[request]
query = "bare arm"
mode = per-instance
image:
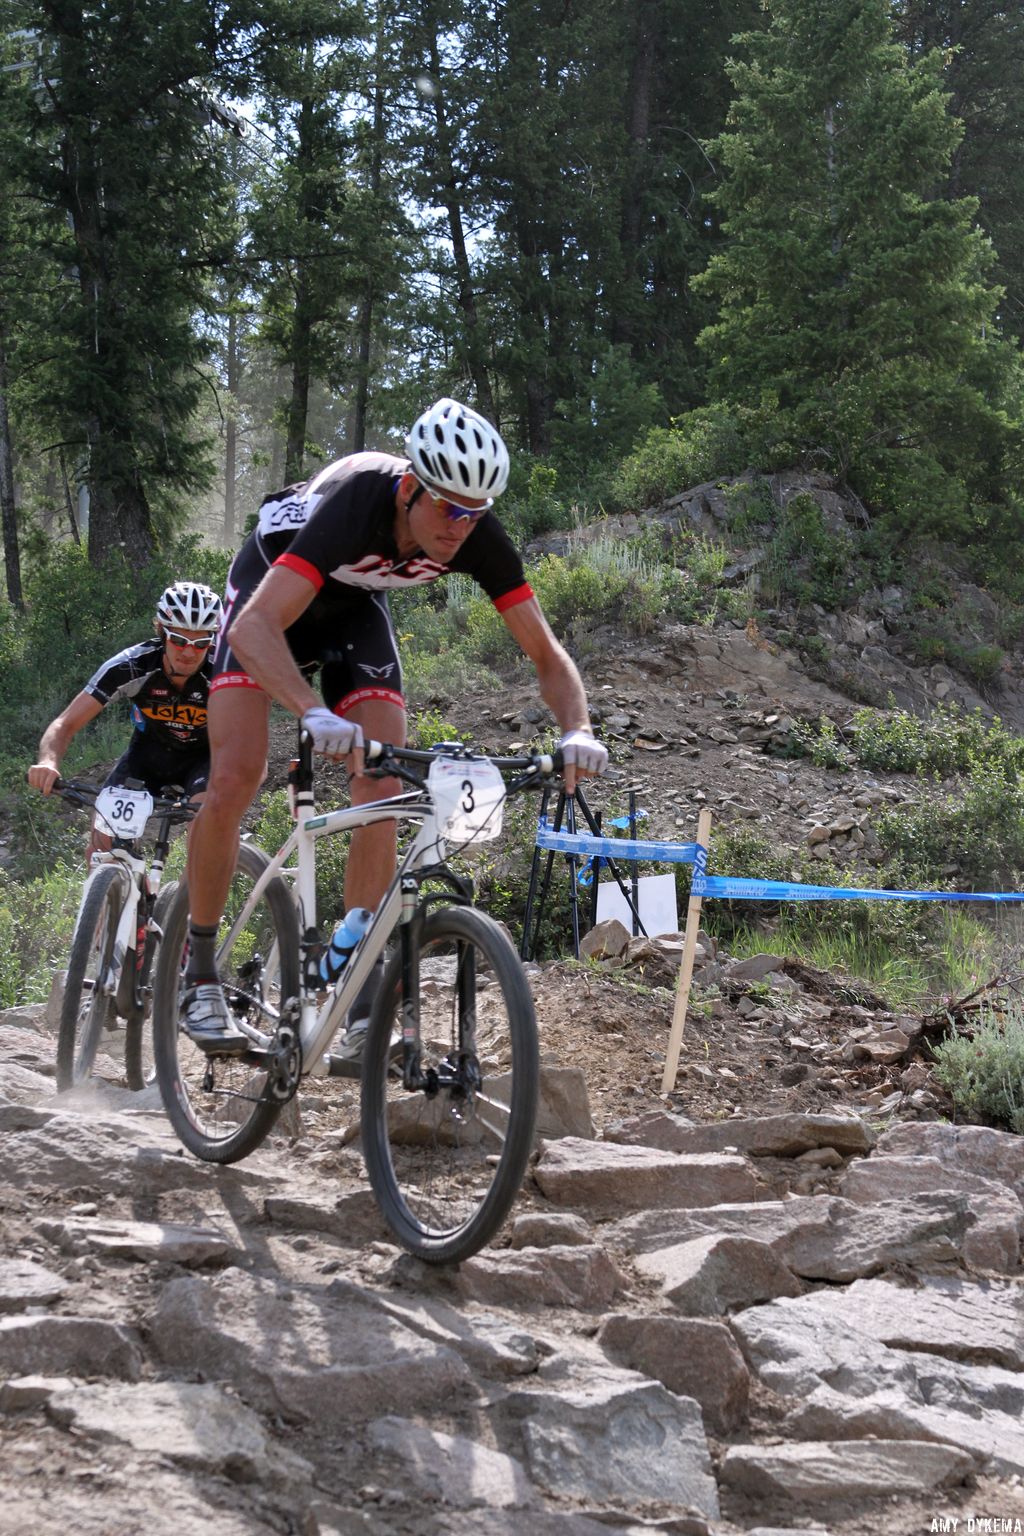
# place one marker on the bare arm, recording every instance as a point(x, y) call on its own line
point(57, 737)
point(561, 686)
point(257, 637)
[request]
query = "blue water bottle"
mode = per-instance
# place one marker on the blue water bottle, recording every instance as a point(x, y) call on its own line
point(343, 941)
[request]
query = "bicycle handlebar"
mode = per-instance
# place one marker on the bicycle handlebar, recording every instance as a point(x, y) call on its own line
point(542, 763)
point(178, 809)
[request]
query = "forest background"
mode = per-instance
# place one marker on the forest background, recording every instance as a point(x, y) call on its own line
point(657, 242)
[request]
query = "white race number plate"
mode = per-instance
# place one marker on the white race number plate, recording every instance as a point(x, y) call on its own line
point(124, 812)
point(469, 796)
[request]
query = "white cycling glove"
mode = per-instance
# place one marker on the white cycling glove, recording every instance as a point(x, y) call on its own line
point(580, 751)
point(332, 735)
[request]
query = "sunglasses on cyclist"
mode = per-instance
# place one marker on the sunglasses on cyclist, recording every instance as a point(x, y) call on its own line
point(200, 643)
point(454, 511)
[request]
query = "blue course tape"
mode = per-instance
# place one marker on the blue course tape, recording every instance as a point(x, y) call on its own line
point(628, 848)
point(596, 849)
point(783, 890)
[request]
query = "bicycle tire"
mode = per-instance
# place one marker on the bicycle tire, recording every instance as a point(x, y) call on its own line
point(216, 1104)
point(446, 1169)
point(139, 1062)
point(85, 1012)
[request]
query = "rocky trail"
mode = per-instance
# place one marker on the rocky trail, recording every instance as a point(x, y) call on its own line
point(782, 1319)
point(785, 1297)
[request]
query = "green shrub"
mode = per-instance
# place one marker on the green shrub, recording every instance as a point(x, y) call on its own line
point(985, 1074)
point(806, 562)
point(946, 742)
point(702, 445)
point(975, 833)
point(822, 743)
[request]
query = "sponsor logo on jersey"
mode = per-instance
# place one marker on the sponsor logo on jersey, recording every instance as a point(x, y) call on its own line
point(177, 715)
point(379, 672)
point(288, 514)
point(379, 571)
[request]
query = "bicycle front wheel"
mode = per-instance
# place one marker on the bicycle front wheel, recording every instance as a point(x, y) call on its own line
point(447, 1160)
point(219, 1106)
point(139, 1064)
point(88, 1004)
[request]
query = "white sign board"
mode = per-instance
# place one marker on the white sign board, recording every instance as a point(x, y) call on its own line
point(656, 903)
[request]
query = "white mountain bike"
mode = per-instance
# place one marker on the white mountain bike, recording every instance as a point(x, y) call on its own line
point(118, 929)
point(450, 1062)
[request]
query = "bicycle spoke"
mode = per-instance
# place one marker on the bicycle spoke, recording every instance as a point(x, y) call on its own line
point(446, 1165)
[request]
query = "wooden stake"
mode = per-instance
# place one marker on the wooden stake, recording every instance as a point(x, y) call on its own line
point(675, 1038)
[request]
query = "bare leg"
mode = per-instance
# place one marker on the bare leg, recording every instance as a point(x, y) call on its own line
point(238, 724)
point(372, 853)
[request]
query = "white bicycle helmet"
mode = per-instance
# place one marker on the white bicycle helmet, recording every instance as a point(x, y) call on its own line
point(189, 605)
point(456, 452)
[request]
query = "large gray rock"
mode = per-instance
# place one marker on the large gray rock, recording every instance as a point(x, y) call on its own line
point(157, 1501)
point(693, 1357)
point(845, 1384)
point(607, 1179)
point(24, 1284)
point(116, 1153)
point(993, 1242)
point(451, 1469)
point(302, 1352)
point(981, 1322)
point(818, 1237)
point(24, 1085)
point(353, 1218)
point(161, 1242)
point(563, 1105)
point(763, 1136)
point(864, 1469)
point(70, 1346)
point(191, 1424)
point(718, 1273)
point(572, 1276)
point(992, 1154)
point(549, 1229)
point(492, 1345)
point(616, 1439)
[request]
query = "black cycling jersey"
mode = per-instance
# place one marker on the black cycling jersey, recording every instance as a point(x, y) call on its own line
point(337, 530)
point(172, 721)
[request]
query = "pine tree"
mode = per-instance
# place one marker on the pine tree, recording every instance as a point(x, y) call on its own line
point(114, 145)
point(855, 312)
point(983, 49)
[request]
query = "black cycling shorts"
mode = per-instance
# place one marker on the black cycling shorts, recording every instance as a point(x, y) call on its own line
point(354, 647)
point(158, 769)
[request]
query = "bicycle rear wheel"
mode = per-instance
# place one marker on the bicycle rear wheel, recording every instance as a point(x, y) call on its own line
point(139, 1062)
point(446, 1162)
point(219, 1106)
point(86, 1008)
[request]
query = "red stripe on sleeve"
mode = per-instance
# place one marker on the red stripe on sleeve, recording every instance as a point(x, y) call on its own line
point(512, 599)
point(301, 568)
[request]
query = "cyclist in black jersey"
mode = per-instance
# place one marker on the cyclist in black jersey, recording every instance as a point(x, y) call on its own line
point(167, 681)
point(307, 592)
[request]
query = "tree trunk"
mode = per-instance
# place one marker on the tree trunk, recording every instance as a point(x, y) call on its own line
point(300, 345)
point(635, 183)
point(119, 516)
point(12, 554)
point(231, 431)
point(298, 405)
point(448, 192)
point(364, 323)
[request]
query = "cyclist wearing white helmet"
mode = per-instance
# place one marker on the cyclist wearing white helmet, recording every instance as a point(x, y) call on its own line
point(307, 592)
point(167, 682)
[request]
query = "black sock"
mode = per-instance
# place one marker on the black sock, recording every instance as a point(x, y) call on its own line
point(366, 996)
point(202, 955)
